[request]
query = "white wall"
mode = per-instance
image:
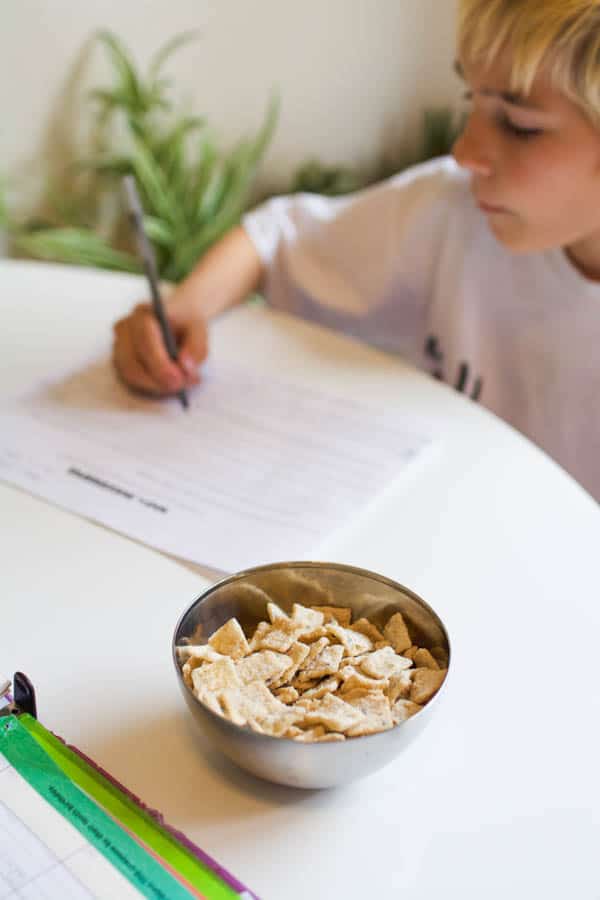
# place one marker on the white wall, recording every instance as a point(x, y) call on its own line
point(353, 74)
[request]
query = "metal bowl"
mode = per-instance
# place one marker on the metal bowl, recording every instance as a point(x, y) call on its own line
point(283, 760)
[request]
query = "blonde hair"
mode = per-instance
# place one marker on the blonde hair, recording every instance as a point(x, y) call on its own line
point(562, 34)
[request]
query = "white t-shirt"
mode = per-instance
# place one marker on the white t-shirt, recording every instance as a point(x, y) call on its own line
point(411, 266)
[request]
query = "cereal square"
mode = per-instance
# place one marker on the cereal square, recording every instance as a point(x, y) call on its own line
point(280, 636)
point(368, 629)
point(309, 618)
point(424, 659)
point(397, 633)
point(216, 676)
point(425, 683)
point(265, 665)
point(354, 679)
point(275, 612)
point(336, 614)
point(376, 711)
point(384, 663)
point(334, 714)
point(326, 662)
point(403, 710)
point(230, 640)
point(296, 656)
point(354, 642)
point(399, 686)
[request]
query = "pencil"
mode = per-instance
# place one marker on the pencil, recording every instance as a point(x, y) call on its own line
point(146, 253)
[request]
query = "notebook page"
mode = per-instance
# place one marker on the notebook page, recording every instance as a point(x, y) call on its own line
point(258, 469)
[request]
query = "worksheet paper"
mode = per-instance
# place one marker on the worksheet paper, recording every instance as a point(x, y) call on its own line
point(257, 470)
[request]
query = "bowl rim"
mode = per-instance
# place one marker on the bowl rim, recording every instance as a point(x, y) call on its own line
point(294, 564)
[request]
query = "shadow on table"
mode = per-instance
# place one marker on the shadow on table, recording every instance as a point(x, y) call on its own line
point(168, 763)
point(94, 387)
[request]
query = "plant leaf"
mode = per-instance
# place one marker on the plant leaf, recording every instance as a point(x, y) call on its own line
point(312, 177)
point(440, 130)
point(189, 198)
point(75, 245)
point(169, 146)
point(116, 165)
point(242, 167)
point(108, 98)
point(151, 180)
point(161, 56)
point(265, 134)
point(200, 176)
point(4, 214)
point(213, 193)
point(159, 232)
point(130, 89)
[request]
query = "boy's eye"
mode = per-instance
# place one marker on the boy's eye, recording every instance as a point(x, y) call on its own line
point(516, 130)
point(505, 123)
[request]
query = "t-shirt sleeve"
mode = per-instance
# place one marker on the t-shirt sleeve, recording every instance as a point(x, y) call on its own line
point(363, 263)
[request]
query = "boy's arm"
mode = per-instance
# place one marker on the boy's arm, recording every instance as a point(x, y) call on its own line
point(333, 260)
point(225, 275)
point(365, 263)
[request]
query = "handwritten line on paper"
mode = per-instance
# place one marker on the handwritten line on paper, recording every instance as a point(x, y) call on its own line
point(260, 469)
point(93, 479)
point(99, 481)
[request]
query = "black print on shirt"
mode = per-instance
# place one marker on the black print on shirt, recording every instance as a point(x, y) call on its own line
point(464, 383)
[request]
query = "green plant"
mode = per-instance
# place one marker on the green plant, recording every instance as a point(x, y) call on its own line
point(316, 178)
point(439, 131)
point(192, 193)
point(3, 205)
point(441, 128)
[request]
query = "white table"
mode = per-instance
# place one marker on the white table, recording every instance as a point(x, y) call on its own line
point(499, 798)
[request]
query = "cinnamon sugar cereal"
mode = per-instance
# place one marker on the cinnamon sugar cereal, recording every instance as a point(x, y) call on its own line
point(313, 676)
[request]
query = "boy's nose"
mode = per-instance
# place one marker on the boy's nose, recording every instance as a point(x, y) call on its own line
point(469, 151)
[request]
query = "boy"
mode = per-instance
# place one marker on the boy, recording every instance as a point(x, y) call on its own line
point(483, 269)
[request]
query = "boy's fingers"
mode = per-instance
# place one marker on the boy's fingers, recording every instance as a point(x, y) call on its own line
point(193, 351)
point(150, 351)
point(191, 336)
point(190, 369)
point(130, 369)
point(141, 356)
point(136, 377)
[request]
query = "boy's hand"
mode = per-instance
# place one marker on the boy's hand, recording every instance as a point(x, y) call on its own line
point(225, 275)
point(141, 358)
